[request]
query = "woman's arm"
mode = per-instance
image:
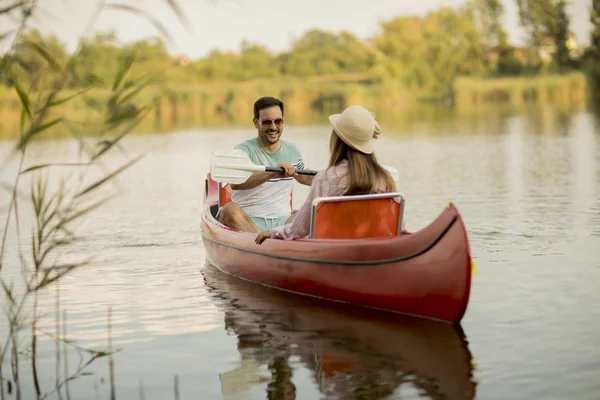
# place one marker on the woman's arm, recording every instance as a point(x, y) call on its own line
point(300, 225)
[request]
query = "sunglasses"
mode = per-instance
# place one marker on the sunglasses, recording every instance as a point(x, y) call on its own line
point(267, 122)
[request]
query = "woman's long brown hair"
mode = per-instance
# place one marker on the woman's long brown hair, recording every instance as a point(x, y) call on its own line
point(365, 171)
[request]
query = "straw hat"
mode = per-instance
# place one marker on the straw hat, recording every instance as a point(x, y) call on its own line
point(357, 127)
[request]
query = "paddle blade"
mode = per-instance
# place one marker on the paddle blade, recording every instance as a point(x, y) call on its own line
point(235, 167)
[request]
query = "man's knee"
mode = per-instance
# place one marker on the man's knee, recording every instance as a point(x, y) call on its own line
point(230, 212)
point(233, 216)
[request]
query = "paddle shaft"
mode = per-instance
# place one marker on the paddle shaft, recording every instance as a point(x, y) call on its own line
point(298, 171)
point(236, 167)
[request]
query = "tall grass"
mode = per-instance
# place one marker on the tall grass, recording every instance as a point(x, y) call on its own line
point(228, 103)
point(58, 202)
point(568, 88)
point(308, 101)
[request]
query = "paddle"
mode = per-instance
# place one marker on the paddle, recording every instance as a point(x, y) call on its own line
point(236, 167)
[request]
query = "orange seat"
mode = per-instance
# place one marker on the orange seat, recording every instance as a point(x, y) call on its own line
point(224, 194)
point(357, 217)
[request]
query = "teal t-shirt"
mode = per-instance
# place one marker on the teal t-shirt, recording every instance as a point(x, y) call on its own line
point(272, 198)
point(288, 152)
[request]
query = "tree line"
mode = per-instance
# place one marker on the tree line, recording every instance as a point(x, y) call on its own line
point(423, 53)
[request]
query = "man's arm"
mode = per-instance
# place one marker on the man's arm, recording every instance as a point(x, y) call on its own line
point(256, 179)
point(304, 179)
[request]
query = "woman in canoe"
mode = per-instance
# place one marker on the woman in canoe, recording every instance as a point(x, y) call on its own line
point(353, 169)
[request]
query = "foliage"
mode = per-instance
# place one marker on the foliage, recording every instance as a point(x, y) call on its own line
point(508, 63)
point(593, 55)
point(595, 33)
point(428, 53)
point(424, 53)
point(489, 16)
point(323, 53)
point(561, 35)
point(538, 17)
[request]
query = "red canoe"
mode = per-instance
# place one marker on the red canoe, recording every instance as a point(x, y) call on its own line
point(425, 273)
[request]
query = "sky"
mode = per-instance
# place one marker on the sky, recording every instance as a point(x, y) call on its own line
point(223, 24)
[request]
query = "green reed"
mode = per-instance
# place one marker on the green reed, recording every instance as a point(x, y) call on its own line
point(57, 202)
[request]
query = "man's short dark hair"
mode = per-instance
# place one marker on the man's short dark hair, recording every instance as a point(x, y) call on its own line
point(266, 102)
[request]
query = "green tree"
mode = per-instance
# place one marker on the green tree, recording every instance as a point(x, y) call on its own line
point(428, 53)
point(98, 60)
point(539, 18)
point(562, 57)
point(322, 53)
point(148, 50)
point(401, 47)
point(455, 46)
point(488, 14)
point(218, 65)
point(255, 61)
point(593, 56)
point(595, 33)
point(36, 58)
point(500, 53)
point(508, 63)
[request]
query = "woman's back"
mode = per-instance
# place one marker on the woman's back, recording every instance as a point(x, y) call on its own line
point(336, 181)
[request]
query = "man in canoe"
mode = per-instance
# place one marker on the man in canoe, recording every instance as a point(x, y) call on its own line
point(353, 169)
point(263, 201)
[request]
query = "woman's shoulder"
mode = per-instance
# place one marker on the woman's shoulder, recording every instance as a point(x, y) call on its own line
point(331, 181)
point(334, 171)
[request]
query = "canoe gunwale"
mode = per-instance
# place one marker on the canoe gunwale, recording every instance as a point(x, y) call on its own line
point(402, 258)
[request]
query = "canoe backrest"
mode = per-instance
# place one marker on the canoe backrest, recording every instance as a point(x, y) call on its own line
point(355, 217)
point(224, 194)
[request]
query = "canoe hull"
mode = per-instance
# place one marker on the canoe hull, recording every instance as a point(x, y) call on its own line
point(426, 273)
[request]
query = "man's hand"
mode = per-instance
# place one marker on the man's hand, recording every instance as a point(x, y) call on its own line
point(262, 236)
point(258, 178)
point(289, 169)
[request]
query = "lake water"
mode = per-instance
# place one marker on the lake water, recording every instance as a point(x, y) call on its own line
point(528, 187)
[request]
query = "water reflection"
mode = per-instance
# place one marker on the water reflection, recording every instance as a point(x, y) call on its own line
point(350, 353)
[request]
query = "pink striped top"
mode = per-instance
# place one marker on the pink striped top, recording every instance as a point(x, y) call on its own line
point(332, 181)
